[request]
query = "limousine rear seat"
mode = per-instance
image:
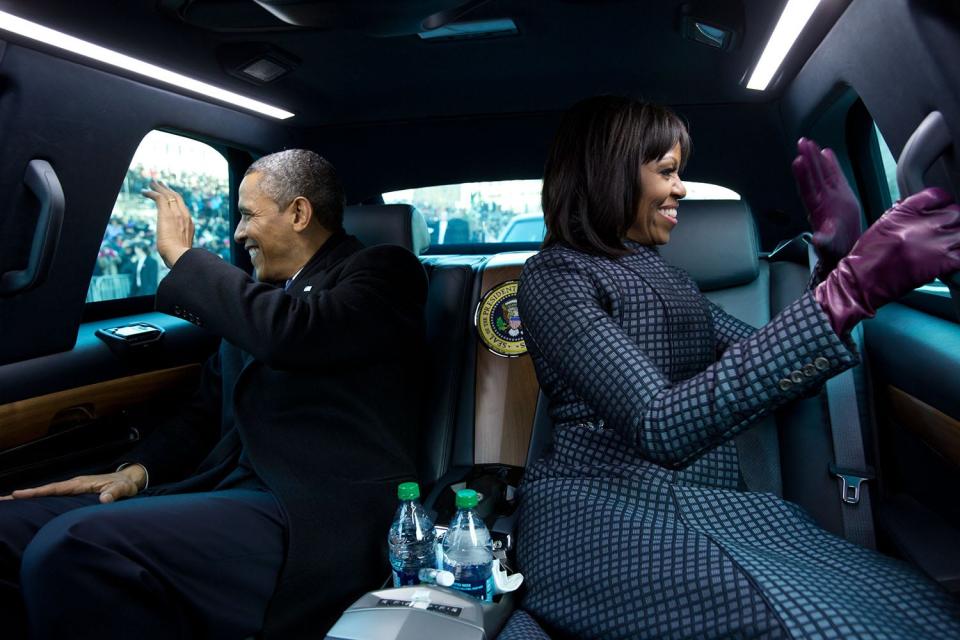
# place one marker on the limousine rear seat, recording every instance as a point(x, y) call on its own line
point(716, 243)
point(788, 454)
point(478, 408)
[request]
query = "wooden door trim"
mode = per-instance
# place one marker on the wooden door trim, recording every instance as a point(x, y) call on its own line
point(937, 429)
point(26, 420)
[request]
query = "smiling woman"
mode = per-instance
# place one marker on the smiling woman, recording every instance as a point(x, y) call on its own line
point(648, 393)
point(661, 190)
point(127, 262)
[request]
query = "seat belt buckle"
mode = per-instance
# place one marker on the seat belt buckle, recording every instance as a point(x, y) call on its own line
point(850, 481)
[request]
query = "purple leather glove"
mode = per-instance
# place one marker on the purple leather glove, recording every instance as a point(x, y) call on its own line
point(832, 208)
point(915, 241)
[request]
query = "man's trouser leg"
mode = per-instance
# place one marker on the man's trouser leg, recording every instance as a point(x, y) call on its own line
point(201, 565)
point(19, 522)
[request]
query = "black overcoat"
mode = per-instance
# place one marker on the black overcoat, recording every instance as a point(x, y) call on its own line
point(319, 384)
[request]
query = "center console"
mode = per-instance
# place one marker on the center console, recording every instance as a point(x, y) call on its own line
point(422, 611)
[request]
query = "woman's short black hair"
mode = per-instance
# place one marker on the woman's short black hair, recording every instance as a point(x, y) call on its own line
point(591, 181)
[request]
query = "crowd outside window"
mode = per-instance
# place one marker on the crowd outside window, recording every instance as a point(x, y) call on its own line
point(127, 262)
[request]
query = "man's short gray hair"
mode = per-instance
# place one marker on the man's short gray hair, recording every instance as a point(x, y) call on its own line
point(301, 172)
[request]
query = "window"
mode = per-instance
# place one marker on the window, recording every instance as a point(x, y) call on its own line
point(128, 264)
point(473, 212)
point(524, 228)
point(888, 164)
point(504, 211)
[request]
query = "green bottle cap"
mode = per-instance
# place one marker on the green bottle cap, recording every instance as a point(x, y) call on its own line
point(408, 491)
point(466, 499)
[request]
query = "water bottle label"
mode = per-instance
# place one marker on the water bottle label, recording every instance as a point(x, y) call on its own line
point(473, 580)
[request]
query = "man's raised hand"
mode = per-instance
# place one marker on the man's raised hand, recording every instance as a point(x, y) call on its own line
point(174, 224)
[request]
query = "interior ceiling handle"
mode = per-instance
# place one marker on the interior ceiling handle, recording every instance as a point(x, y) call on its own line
point(930, 141)
point(42, 181)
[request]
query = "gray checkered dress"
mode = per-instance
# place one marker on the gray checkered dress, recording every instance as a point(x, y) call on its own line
point(633, 525)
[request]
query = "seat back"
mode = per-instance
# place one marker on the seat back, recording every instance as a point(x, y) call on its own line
point(806, 441)
point(446, 436)
point(478, 407)
point(450, 295)
point(398, 224)
point(786, 453)
point(716, 243)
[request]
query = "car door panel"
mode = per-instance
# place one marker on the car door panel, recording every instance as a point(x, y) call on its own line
point(914, 359)
point(78, 404)
point(936, 429)
point(918, 354)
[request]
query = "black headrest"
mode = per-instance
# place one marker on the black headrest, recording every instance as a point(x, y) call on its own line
point(716, 242)
point(388, 224)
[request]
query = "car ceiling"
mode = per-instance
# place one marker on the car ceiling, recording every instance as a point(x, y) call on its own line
point(363, 63)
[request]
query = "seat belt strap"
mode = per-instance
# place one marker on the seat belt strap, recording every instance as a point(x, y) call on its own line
point(849, 465)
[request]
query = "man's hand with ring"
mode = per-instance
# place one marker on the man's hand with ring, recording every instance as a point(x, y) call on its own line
point(174, 224)
point(111, 486)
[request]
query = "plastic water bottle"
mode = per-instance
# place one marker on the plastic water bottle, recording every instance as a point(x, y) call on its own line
point(468, 550)
point(412, 538)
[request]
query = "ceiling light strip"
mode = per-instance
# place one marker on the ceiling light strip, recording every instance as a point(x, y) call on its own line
point(60, 40)
point(792, 21)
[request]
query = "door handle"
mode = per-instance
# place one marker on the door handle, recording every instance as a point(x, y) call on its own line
point(926, 144)
point(42, 181)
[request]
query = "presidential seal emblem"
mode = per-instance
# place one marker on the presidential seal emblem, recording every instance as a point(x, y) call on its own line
point(497, 320)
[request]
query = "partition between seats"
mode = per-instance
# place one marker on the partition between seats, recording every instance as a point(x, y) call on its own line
point(506, 388)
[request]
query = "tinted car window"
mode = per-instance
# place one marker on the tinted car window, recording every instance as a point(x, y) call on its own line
point(128, 264)
point(888, 164)
point(524, 229)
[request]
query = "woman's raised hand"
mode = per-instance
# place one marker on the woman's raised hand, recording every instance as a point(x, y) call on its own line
point(915, 241)
point(832, 208)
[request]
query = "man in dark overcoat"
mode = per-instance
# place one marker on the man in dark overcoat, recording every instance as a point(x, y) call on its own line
point(144, 271)
point(264, 503)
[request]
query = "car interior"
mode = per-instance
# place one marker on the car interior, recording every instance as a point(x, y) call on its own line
point(414, 100)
